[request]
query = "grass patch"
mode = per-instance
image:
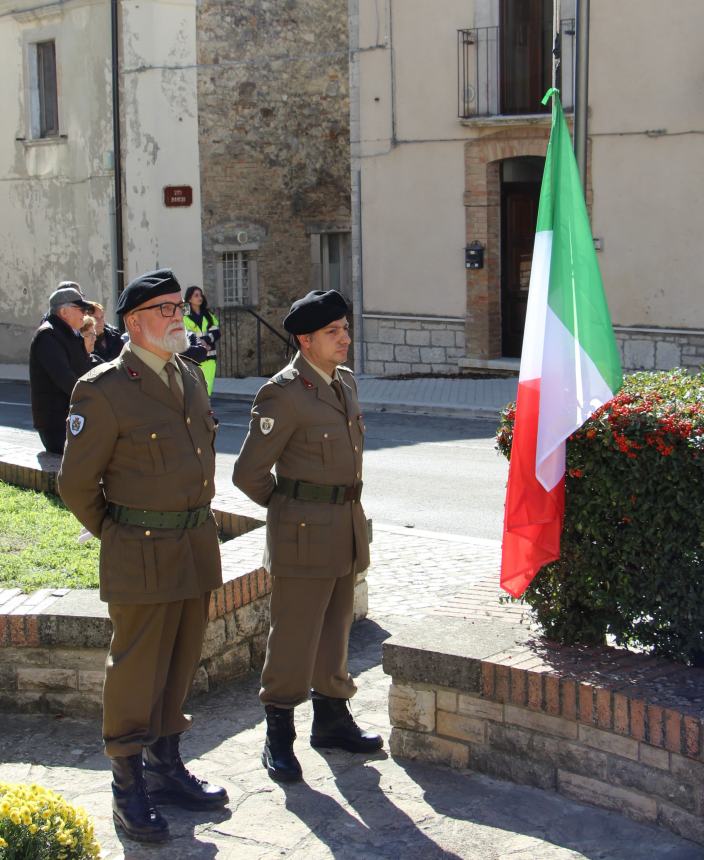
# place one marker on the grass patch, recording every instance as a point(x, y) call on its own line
point(39, 543)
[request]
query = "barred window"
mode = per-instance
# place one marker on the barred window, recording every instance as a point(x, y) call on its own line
point(237, 277)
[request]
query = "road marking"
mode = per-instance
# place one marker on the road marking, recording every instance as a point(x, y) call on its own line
point(232, 424)
point(11, 403)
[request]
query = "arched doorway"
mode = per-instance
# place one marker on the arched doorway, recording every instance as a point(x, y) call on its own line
point(520, 195)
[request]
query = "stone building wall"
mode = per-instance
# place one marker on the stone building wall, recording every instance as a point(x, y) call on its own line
point(273, 103)
point(406, 344)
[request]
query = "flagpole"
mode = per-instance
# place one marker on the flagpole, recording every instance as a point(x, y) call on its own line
point(556, 52)
point(581, 100)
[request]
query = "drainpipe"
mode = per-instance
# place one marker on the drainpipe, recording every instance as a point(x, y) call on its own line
point(119, 271)
point(582, 91)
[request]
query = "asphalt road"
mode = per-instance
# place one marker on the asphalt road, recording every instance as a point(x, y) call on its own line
point(433, 473)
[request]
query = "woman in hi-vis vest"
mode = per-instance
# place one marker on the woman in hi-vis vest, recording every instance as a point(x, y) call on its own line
point(206, 325)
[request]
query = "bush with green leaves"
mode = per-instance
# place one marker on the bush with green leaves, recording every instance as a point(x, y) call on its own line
point(632, 552)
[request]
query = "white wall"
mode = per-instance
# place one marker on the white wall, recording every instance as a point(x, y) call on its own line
point(55, 195)
point(412, 157)
point(647, 75)
point(160, 128)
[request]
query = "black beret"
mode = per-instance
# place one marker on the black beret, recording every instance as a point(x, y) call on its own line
point(146, 287)
point(315, 311)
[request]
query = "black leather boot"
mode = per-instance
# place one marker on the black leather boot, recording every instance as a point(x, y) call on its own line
point(168, 780)
point(334, 727)
point(278, 756)
point(132, 808)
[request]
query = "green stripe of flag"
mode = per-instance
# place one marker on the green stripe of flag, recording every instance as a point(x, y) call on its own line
point(576, 293)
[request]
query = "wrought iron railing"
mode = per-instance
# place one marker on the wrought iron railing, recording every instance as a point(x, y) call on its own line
point(479, 71)
point(249, 345)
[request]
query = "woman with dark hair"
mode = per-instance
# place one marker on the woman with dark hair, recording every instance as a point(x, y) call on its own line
point(201, 320)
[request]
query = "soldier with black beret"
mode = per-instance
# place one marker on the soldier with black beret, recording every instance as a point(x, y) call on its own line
point(307, 424)
point(138, 471)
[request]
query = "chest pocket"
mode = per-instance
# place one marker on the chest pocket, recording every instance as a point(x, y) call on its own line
point(323, 441)
point(155, 447)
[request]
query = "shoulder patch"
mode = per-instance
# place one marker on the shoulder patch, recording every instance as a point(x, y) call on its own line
point(97, 371)
point(286, 376)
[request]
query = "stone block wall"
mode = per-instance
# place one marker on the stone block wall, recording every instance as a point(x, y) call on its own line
point(273, 115)
point(396, 345)
point(603, 726)
point(659, 349)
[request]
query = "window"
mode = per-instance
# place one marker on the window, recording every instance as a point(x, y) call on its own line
point(43, 95)
point(237, 277)
point(330, 259)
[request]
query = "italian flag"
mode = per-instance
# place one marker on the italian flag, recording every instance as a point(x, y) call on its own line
point(569, 364)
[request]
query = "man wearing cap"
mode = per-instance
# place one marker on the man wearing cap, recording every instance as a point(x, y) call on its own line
point(57, 358)
point(138, 471)
point(307, 424)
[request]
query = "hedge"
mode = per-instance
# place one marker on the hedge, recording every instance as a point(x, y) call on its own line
point(632, 552)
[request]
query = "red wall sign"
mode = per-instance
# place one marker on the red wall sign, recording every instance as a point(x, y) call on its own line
point(178, 195)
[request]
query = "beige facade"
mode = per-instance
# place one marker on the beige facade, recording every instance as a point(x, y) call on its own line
point(441, 165)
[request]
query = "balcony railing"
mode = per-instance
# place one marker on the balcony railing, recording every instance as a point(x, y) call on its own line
point(479, 71)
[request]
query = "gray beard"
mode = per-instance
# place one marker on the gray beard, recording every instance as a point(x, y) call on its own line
point(175, 341)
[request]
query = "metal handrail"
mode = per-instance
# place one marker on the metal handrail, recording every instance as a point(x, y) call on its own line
point(232, 362)
point(479, 70)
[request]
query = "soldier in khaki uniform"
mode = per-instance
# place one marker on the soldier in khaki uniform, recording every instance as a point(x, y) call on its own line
point(138, 472)
point(307, 423)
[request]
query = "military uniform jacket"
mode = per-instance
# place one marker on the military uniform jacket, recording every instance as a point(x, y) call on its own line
point(299, 426)
point(130, 442)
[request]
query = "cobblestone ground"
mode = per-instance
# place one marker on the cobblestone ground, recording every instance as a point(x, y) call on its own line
point(347, 807)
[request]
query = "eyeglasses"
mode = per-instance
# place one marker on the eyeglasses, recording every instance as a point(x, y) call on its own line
point(168, 309)
point(90, 334)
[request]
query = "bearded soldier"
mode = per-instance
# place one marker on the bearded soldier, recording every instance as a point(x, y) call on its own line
point(138, 472)
point(307, 424)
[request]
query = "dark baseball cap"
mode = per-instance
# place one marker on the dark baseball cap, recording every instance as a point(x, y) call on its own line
point(149, 286)
point(315, 311)
point(68, 296)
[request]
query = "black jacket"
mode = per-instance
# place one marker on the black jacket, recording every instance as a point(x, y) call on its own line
point(57, 357)
point(109, 344)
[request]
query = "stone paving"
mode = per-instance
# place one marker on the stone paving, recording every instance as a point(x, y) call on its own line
point(347, 807)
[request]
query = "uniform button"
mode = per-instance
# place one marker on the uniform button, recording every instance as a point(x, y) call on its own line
point(153, 436)
point(356, 448)
point(188, 420)
point(197, 450)
point(147, 533)
point(205, 482)
point(325, 435)
point(303, 525)
point(358, 476)
point(349, 423)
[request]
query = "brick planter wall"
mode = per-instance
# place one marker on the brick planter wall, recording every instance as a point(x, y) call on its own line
point(53, 642)
point(620, 730)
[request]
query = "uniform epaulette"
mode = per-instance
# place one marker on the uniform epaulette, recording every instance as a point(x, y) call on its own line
point(188, 358)
point(348, 369)
point(286, 376)
point(97, 371)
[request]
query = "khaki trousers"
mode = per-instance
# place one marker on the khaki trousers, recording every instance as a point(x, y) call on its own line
point(154, 653)
point(308, 640)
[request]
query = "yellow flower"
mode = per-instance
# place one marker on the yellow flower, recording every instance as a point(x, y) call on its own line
point(3, 844)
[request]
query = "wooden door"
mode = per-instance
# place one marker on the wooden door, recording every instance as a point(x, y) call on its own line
point(519, 215)
point(526, 55)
